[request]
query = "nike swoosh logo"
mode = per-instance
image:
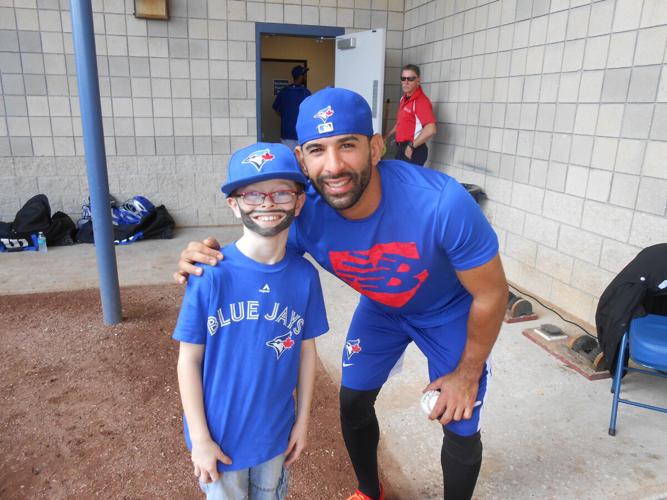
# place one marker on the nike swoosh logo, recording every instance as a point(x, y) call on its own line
point(347, 364)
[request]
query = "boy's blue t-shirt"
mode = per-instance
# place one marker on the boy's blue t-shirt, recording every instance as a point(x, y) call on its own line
point(403, 258)
point(252, 318)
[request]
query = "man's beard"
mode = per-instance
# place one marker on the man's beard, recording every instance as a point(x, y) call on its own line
point(267, 232)
point(347, 200)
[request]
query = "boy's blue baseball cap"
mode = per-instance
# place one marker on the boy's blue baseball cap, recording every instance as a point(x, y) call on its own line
point(260, 162)
point(333, 111)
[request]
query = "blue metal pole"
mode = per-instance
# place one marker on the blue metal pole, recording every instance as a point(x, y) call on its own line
point(93, 140)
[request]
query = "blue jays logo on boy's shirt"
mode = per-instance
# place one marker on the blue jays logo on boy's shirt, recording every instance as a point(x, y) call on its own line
point(281, 343)
point(389, 273)
point(259, 158)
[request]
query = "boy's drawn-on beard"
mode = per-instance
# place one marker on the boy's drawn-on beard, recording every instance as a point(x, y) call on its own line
point(267, 232)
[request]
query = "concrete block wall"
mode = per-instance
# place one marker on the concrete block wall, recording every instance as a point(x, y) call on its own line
point(558, 108)
point(177, 96)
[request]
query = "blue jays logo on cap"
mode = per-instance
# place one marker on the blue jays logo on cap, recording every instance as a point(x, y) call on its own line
point(259, 158)
point(260, 162)
point(317, 119)
point(324, 114)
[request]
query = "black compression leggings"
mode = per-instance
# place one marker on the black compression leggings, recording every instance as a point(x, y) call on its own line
point(460, 457)
point(361, 434)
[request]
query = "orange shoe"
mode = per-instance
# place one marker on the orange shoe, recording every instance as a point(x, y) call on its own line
point(358, 495)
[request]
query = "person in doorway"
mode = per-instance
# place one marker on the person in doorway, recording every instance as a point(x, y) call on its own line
point(287, 104)
point(423, 256)
point(415, 121)
point(252, 319)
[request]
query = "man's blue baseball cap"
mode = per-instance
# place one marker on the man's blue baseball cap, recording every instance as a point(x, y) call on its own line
point(260, 162)
point(297, 71)
point(333, 111)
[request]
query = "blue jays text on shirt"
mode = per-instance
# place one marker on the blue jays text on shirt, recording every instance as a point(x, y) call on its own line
point(249, 311)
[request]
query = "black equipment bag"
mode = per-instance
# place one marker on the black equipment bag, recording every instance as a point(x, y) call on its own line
point(35, 217)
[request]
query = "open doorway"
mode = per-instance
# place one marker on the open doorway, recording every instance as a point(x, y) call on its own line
point(279, 55)
point(279, 48)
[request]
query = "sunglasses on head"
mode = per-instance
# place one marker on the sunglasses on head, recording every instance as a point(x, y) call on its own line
point(408, 78)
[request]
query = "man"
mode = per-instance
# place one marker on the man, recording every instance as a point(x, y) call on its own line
point(417, 247)
point(415, 121)
point(287, 104)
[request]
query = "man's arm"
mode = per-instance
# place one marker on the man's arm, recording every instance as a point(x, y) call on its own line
point(202, 252)
point(429, 130)
point(390, 133)
point(425, 134)
point(304, 398)
point(488, 287)
point(205, 452)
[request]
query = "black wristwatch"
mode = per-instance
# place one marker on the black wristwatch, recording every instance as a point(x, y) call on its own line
point(412, 146)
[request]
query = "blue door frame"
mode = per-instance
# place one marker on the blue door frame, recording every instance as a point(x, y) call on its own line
point(282, 29)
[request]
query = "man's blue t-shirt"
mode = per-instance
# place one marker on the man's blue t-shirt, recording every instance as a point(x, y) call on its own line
point(252, 318)
point(287, 104)
point(403, 258)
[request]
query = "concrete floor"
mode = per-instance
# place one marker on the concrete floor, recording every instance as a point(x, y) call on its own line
point(544, 427)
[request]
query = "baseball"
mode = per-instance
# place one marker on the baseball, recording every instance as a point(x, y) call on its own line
point(428, 401)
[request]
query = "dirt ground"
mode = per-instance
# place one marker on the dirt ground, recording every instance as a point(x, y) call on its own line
point(93, 411)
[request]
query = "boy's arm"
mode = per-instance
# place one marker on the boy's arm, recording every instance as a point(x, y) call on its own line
point(205, 452)
point(304, 398)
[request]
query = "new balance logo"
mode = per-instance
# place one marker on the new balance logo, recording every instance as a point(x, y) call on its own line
point(265, 289)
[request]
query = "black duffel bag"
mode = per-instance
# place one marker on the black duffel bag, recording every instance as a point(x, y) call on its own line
point(35, 217)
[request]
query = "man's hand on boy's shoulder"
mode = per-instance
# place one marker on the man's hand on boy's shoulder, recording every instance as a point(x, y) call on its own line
point(202, 252)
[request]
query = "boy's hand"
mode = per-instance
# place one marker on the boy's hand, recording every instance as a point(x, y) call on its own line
point(205, 456)
point(203, 252)
point(297, 442)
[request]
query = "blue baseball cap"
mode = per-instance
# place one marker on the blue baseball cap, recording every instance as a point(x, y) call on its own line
point(260, 162)
point(297, 71)
point(333, 111)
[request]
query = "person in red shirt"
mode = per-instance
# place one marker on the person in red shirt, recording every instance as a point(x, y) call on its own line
point(415, 121)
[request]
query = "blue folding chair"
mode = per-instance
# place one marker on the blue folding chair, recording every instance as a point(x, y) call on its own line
point(647, 341)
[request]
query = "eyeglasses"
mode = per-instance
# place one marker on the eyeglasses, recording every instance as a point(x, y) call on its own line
point(255, 198)
point(408, 78)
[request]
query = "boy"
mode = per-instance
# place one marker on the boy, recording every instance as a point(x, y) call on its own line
point(247, 330)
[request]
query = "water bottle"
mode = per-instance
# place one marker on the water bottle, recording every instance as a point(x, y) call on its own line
point(41, 242)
